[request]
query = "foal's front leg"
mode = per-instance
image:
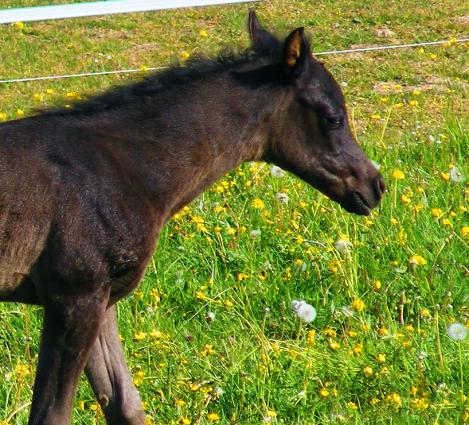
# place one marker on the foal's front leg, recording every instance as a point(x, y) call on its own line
point(110, 378)
point(69, 330)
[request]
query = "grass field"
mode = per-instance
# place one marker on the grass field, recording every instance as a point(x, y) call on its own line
point(210, 335)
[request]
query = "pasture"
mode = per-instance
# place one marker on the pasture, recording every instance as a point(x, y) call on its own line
point(210, 335)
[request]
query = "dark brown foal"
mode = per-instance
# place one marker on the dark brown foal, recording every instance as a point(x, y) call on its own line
point(86, 191)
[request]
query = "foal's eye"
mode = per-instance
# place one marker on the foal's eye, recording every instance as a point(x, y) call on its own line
point(332, 122)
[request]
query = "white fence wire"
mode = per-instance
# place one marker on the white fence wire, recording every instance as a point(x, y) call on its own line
point(330, 52)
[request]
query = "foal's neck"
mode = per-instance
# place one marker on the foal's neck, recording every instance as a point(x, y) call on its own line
point(218, 124)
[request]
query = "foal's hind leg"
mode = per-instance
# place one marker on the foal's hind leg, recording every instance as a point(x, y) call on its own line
point(70, 328)
point(110, 378)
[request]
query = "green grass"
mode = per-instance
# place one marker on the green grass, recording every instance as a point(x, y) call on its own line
point(256, 358)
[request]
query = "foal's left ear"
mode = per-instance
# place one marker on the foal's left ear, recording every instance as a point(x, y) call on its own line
point(263, 42)
point(296, 49)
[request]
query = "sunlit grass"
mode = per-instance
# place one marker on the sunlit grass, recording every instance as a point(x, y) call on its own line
point(210, 335)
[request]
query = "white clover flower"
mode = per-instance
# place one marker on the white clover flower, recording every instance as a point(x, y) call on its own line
point(210, 316)
point(304, 311)
point(343, 246)
point(456, 176)
point(457, 331)
point(282, 197)
point(277, 171)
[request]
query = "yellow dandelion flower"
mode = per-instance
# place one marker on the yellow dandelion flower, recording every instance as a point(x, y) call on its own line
point(331, 333)
point(140, 336)
point(203, 33)
point(398, 174)
point(230, 231)
point(444, 176)
point(199, 295)
point(425, 313)
point(3, 116)
point(382, 331)
point(447, 223)
point(185, 421)
point(375, 401)
point(418, 208)
point(436, 212)
point(310, 337)
point(334, 345)
point(395, 398)
point(271, 413)
point(381, 358)
point(213, 417)
point(358, 348)
point(465, 232)
point(393, 221)
point(358, 305)
point(18, 25)
point(184, 55)
point(417, 260)
point(352, 405)
point(377, 284)
point(258, 204)
point(419, 403)
point(324, 392)
point(405, 199)
point(22, 370)
point(376, 117)
point(19, 113)
point(368, 371)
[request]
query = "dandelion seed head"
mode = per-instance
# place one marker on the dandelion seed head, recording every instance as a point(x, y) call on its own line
point(282, 197)
point(277, 171)
point(456, 176)
point(457, 331)
point(304, 311)
point(343, 246)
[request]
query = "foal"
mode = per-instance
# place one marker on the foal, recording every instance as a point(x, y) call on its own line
point(86, 192)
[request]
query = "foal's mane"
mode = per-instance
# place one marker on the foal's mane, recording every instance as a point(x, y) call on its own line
point(172, 78)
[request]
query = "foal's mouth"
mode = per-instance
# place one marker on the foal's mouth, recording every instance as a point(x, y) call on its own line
point(359, 204)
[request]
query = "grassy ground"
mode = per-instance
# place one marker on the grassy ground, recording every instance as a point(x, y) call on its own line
point(210, 335)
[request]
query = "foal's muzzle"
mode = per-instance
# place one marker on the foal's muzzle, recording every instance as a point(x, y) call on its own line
point(362, 198)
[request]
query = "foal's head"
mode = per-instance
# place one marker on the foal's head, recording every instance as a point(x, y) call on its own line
point(312, 138)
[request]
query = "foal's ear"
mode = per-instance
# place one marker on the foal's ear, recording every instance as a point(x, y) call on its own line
point(296, 49)
point(263, 42)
